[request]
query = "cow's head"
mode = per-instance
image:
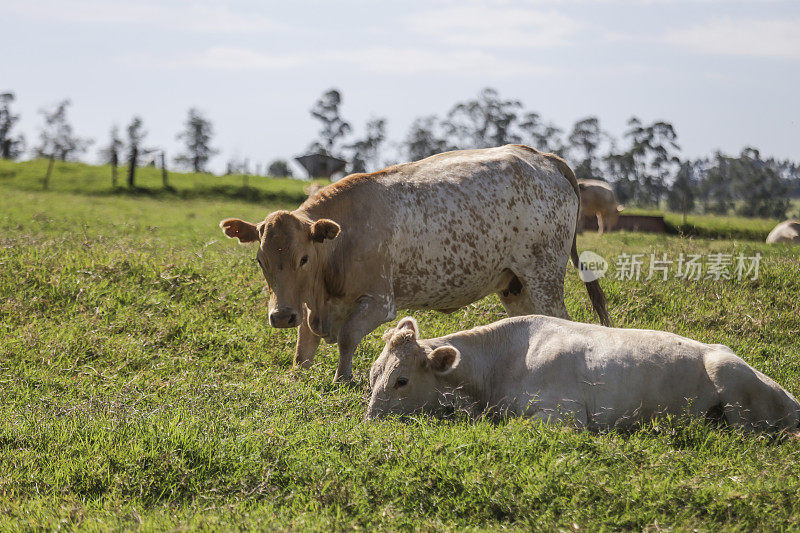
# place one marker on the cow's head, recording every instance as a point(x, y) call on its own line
point(291, 254)
point(407, 377)
point(613, 218)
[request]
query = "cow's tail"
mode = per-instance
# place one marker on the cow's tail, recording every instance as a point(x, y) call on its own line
point(596, 294)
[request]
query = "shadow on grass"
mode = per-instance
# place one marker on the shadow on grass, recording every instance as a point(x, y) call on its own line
point(690, 230)
point(244, 194)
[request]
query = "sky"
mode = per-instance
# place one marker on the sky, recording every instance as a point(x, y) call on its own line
point(725, 73)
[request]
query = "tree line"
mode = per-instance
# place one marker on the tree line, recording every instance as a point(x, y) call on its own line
point(59, 142)
point(645, 166)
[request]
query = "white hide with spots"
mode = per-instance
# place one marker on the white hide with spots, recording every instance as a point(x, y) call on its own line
point(556, 370)
point(463, 222)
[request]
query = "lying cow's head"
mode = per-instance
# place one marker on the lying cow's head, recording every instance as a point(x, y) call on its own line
point(407, 377)
point(292, 259)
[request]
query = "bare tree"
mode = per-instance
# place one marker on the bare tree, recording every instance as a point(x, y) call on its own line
point(423, 139)
point(681, 196)
point(111, 153)
point(197, 137)
point(135, 137)
point(585, 139)
point(543, 136)
point(164, 173)
point(11, 147)
point(56, 138)
point(652, 156)
point(485, 121)
point(366, 151)
point(334, 127)
point(279, 167)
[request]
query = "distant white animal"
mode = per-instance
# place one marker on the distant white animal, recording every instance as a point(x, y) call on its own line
point(598, 200)
point(555, 370)
point(786, 231)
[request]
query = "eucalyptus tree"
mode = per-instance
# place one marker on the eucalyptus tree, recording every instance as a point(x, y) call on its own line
point(11, 146)
point(197, 139)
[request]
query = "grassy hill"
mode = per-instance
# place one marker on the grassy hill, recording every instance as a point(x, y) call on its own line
point(142, 388)
point(81, 178)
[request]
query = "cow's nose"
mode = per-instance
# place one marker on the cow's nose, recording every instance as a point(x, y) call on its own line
point(283, 318)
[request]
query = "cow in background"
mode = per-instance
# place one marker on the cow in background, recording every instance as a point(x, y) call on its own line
point(598, 199)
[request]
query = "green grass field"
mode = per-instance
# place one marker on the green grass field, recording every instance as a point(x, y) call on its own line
point(141, 387)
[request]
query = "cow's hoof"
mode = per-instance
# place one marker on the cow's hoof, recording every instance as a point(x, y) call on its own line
point(346, 379)
point(306, 364)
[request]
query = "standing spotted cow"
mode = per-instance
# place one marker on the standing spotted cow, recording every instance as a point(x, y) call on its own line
point(598, 199)
point(438, 233)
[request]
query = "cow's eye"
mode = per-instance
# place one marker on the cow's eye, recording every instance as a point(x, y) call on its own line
point(303, 260)
point(401, 382)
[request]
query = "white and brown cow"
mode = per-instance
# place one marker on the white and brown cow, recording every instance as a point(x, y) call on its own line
point(598, 200)
point(556, 371)
point(786, 231)
point(438, 233)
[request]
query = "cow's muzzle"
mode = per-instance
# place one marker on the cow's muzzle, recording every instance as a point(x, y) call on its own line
point(284, 317)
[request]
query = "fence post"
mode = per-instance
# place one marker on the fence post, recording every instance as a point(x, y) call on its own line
point(164, 169)
point(50, 164)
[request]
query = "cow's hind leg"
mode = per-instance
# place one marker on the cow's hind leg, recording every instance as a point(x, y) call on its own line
point(535, 292)
point(750, 399)
point(516, 300)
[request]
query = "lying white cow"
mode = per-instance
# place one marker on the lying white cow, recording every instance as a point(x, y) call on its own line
point(786, 231)
point(555, 370)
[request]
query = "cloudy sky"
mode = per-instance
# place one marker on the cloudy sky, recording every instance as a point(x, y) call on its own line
point(726, 73)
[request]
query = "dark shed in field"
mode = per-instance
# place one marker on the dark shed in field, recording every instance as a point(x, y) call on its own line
point(647, 223)
point(321, 165)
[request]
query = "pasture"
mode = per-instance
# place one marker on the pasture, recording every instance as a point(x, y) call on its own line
point(141, 387)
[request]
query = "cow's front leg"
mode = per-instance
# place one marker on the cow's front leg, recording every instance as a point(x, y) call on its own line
point(307, 344)
point(369, 314)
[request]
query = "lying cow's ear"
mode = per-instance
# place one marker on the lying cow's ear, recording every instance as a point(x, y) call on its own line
point(408, 323)
point(324, 229)
point(236, 228)
point(444, 359)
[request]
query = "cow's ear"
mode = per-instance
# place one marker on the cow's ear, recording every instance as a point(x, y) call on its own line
point(444, 360)
point(410, 324)
point(620, 208)
point(324, 229)
point(239, 229)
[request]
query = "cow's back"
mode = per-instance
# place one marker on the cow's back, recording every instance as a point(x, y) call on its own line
point(607, 373)
point(786, 231)
point(597, 197)
point(461, 219)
